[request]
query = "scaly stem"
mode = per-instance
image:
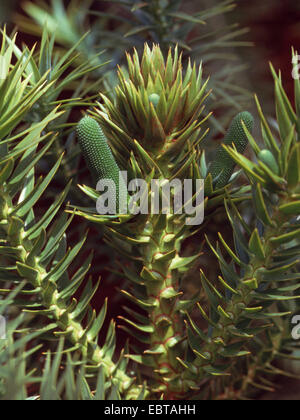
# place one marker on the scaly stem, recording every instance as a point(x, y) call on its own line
point(58, 309)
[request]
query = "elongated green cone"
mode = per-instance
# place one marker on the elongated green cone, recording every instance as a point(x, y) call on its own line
point(223, 166)
point(98, 155)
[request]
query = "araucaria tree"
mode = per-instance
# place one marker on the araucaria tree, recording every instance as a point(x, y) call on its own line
point(210, 305)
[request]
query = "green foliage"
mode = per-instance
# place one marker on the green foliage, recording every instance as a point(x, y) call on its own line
point(247, 308)
point(223, 166)
point(34, 254)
